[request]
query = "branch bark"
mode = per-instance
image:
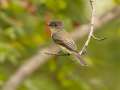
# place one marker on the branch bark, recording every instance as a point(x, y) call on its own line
point(92, 2)
point(39, 59)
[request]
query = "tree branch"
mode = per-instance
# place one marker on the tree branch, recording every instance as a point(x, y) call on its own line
point(92, 2)
point(39, 59)
point(58, 54)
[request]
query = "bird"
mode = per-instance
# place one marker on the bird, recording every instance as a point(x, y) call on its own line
point(63, 39)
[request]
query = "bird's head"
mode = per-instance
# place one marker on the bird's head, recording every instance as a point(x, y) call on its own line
point(56, 25)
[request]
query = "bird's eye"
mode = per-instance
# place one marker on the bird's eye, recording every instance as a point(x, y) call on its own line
point(53, 24)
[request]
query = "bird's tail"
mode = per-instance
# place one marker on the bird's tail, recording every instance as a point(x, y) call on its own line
point(79, 59)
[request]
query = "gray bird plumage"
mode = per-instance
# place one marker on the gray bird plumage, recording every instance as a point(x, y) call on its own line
point(62, 38)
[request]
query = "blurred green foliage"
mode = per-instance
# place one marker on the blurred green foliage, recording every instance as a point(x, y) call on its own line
point(23, 30)
point(117, 1)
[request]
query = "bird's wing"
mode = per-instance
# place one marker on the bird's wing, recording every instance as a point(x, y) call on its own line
point(66, 42)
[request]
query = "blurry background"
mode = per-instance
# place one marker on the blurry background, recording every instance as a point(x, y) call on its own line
point(23, 31)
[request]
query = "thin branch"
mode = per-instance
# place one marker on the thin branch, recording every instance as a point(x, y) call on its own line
point(92, 2)
point(99, 39)
point(58, 54)
point(38, 60)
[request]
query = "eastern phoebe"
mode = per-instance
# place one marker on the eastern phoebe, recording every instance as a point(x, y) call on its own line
point(64, 40)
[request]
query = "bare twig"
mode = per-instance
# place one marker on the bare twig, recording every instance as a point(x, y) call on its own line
point(99, 39)
point(39, 59)
point(92, 2)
